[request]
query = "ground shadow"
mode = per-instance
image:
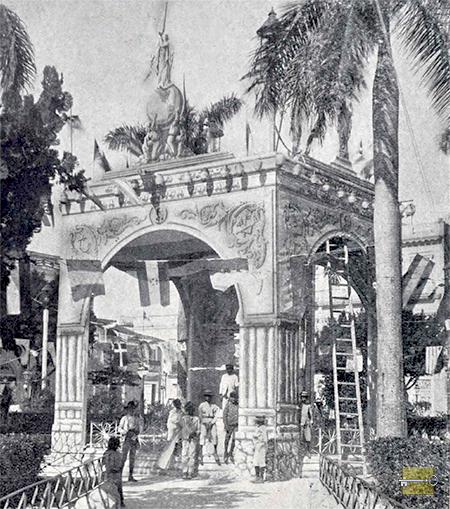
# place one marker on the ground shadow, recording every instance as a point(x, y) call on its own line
point(212, 494)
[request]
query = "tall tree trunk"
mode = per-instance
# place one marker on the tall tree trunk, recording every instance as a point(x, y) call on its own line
point(387, 233)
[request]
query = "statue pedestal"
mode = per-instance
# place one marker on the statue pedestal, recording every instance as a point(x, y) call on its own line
point(343, 164)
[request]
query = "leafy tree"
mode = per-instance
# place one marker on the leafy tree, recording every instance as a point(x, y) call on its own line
point(418, 332)
point(29, 132)
point(321, 49)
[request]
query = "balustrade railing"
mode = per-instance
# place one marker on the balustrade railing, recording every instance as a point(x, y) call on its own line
point(59, 491)
point(351, 491)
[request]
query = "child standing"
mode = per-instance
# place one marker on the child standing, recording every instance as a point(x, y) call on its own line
point(260, 443)
point(113, 462)
point(230, 422)
point(190, 430)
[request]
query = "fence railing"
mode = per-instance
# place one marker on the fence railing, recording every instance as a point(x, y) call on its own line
point(59, 491)
point(351, 491)
point(101, 432)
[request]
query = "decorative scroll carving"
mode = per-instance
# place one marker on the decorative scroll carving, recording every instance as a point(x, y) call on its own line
point(244, 226)
point(303, 222)
point(86, 239)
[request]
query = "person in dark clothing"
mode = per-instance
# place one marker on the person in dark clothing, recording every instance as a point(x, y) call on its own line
point(113, 462)
point(230, 422)
point(5, 403)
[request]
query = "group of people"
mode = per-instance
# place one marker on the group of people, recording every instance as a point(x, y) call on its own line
point(189, 435)
point(198, 432)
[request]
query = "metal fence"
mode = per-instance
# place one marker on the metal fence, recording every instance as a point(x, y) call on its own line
point(101, 432)
point(351, 491)
point(57, 492)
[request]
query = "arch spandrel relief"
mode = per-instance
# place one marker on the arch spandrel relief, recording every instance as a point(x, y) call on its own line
point(303, 228)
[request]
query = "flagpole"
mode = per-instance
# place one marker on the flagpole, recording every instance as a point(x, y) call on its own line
point(71, 133)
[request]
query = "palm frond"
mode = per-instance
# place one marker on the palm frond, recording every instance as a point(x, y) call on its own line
point(424, 28)
point(127, 137)
point(17, 66)
point(223, 110)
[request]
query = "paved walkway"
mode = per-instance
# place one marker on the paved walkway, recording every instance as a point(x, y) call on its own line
point(221, 491)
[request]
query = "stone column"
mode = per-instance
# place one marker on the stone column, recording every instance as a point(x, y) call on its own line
point(269, 365)
point(257, 369)
point(69, 426)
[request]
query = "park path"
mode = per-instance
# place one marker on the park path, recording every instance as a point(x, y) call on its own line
point(222, 491)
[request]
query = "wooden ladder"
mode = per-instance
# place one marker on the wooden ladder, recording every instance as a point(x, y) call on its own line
point(347, 393)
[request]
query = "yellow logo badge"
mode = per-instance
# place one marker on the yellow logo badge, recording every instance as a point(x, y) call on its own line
point(418, 481)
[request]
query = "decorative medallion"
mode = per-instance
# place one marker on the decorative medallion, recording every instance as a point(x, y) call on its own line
point(158, 215)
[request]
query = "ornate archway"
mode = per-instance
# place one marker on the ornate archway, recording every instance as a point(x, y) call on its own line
point(266, 214)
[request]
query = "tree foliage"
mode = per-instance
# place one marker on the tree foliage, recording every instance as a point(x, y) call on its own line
point(17, 69)
point(29, 132)
point(418, 332)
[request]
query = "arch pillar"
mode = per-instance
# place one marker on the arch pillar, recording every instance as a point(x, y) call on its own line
point(271, 364)
point(69, 425)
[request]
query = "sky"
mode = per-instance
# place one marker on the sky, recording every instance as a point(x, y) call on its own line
point(104, 48)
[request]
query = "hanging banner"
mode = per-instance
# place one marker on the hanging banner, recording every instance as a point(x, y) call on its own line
point(86, 278)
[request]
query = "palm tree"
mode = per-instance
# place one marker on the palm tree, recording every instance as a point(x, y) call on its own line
point(322, 48)
point(131, 138)
point(127, 137)
point(17, 69)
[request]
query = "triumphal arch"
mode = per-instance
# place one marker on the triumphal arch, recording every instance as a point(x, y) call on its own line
point(259, 221)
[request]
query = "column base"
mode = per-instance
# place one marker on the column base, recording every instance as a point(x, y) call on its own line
point(282, 460)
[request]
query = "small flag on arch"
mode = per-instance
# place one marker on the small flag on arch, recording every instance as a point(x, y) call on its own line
point(100, 158)
point(86, 278)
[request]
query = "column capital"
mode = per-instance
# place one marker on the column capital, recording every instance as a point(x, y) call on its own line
point(69, 329)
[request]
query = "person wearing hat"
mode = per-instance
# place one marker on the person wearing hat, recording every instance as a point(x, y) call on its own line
point(208, 413)
point(129, 427)
point(306, 420)
point(228, 383)
point(260, 442)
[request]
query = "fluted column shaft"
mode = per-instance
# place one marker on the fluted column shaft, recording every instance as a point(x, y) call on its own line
point(69, 427)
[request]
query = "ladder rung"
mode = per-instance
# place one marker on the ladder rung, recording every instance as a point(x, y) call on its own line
point(344, 353)
point(339, 297)
point(347, 413)
point(348, 399)
point(345, 325)
point(343, 339)
point(346, 383)
point(353, 430)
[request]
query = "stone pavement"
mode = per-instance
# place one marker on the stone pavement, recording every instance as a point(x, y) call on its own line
point(211, 490)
